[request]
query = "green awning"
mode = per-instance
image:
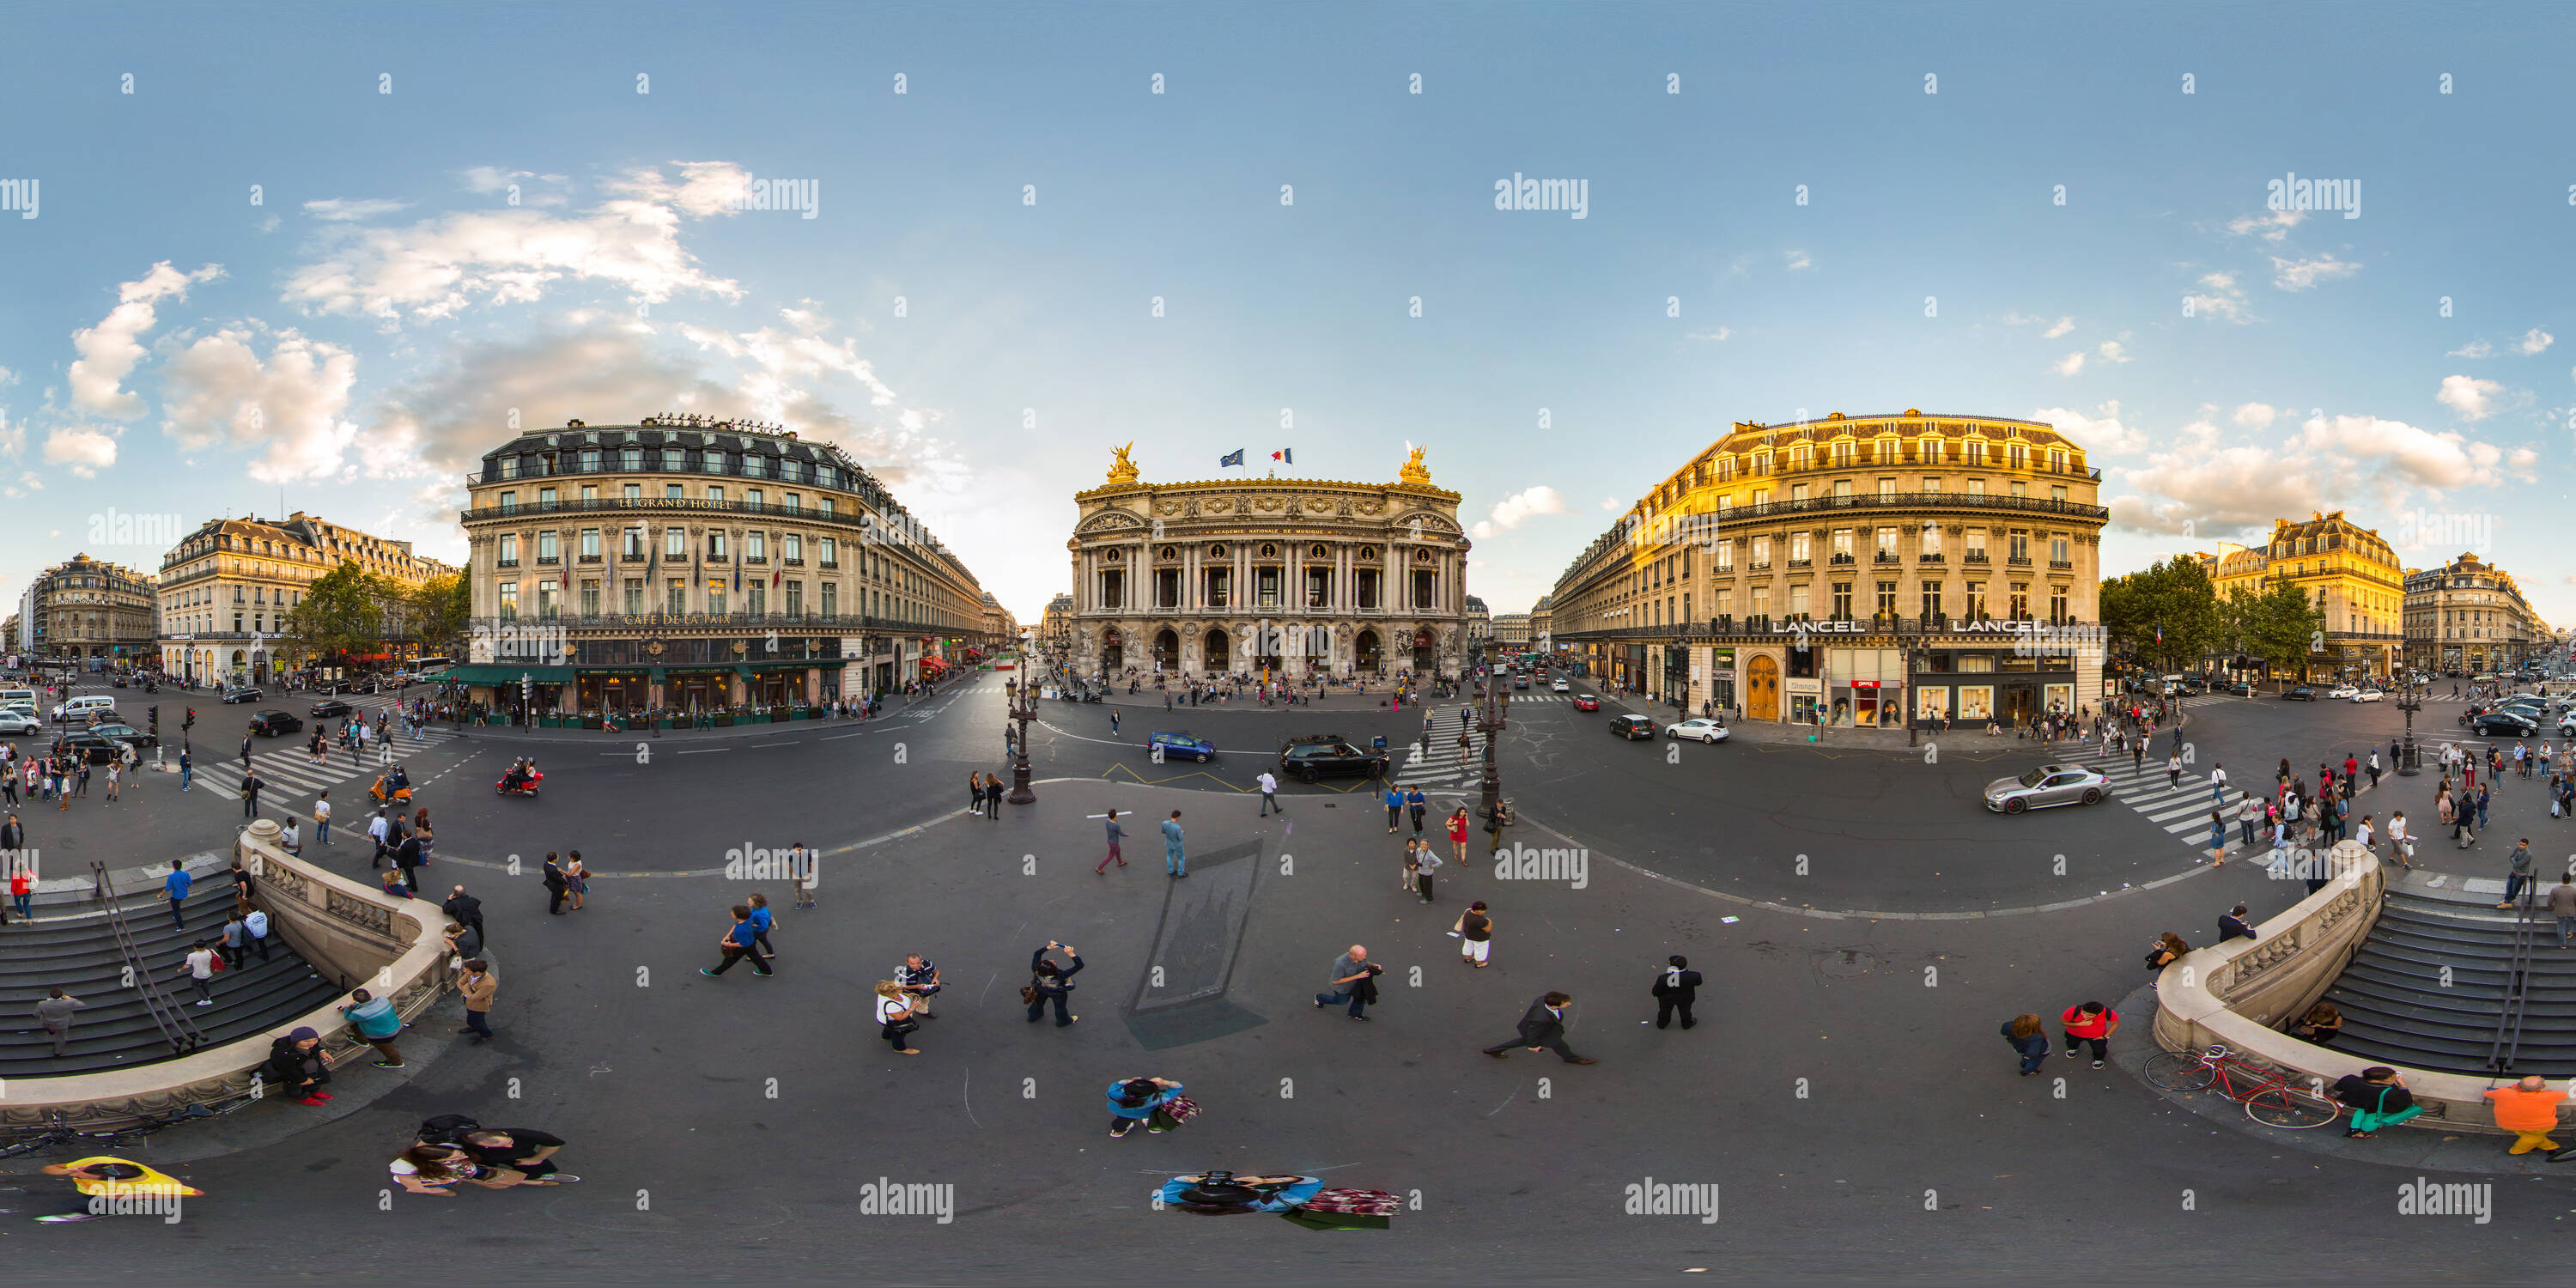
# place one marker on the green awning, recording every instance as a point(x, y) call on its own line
point(509, 674)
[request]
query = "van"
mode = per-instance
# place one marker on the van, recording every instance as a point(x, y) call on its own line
point(13, 697)
point(79, 708)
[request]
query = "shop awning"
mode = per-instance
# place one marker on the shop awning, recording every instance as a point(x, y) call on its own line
point(508, 674)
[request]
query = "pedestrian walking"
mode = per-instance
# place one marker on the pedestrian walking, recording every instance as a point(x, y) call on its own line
point(740, 941)
point(2173, 771)
point(2091, 1023)
point(1175, 863)
point(2028, 1036)
point(1353, 981)
point(2562, 905)
point(1156, 1102)
point(2528, 1109)
point(55, 1013)
point(1269, 794)
point(2217, 837)
point(234, 943)
point(2374, 767)
point(1458, 836)
point(2378, 1098)
point(245, 753)
point(920, 978)
point(176, 886)
point(251, 785)
point(200, 966)
point(322, 818)
point(577, 877)
point(1542, 1027)
point(115, 772)
point(1415, 803)
point(2218, 783)
point(375, 1021)
point(380, 831)
point(1117, 833)
point(1475, 931)
point(556, 885)
point(1427, 862)
point(1049, 983)
point(760, 922)
point(894, 1018)
point(1113, 722)
point(1677, 987)
point(478, 988)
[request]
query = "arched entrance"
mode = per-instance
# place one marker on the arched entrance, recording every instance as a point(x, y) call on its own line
point(1167, 650)
point(1364, 651)
point(1219, 651)
point(1113, 653)
point(1762, 688)
point(1422, 651)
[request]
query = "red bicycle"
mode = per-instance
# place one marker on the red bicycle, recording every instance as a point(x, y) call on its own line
point(2269, 1096)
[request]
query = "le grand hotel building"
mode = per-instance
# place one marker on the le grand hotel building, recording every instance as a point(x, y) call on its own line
point(1814, 573)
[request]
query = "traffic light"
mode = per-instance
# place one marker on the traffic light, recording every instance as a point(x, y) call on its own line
point(191, 721)
point(153, 717)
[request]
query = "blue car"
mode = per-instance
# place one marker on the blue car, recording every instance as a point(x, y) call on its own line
point(1181, 746)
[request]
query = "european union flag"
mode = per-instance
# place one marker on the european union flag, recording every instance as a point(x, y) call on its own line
point(1234, 457)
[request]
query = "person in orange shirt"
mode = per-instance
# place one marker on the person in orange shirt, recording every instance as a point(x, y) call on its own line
point(2092, 1022)
point(100, 1182)
point(2528, 1109)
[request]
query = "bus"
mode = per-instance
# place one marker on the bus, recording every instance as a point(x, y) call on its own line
point(429, 668)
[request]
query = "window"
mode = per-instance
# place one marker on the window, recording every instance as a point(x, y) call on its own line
point(2057, 492)
point(1976, 607)
point(828, 549)
point(1931, 600)
point(590, 545)
point(509, 503)
point(1797, 493)
point(2020, 547)
point(1798, 553)
point(1762, 552)
point(2020, 488)
point(791, 501)
point(1931, 540)
point(630, 459)
point(547, 608)
point(1798, 601)
point(675, 597)
point(509, 599)
point(589, 495)
point(831, 600)
point(1887, 545)
point(510, 550)
point(590, 599)
point(1762, 601)
point(2057, 604)
point(1887, 489)
point(755, 546)
point(548, 550)
point(1887, 599)
point(1976, 487)
point(755, 597)
point(791, 547)
point(2058, 551)
point(1726, 554)
point(1976, 545)
point(590, 460)
point(633, 548)
point(675, 543)
point(545, 501)
point(2020, 600)
point(634, 595)
point(796, 599)
point(755, 466)
point(634, 494)
point(1842, 600)
point(716, 599)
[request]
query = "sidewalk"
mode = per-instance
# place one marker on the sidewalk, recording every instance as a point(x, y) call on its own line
point(896, 705)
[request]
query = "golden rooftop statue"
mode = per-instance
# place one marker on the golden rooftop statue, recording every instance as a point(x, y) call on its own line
point(1414, 475)
point(1123, 470)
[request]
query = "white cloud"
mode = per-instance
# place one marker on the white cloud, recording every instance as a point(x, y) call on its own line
point(2071, 363)
point(346, 210)
point(2300, 274)
point(110, 350)
point(1610, 503)
point(2058, 328)
point(2271, 226)
point(2472, 398)
point(1719, 334)
point(437, 268)
point(2112, 352)
point(218, 390)
point(1797, 259)
point(489, 179)
point(2201, 485)
point(2533, 341)
point(1513, 510)
point(2219, 297)
point(82, 450)
point(2473, 349)
point(2256, 415)
point(2099, 434)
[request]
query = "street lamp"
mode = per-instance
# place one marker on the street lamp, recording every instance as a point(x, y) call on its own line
point(1497, 703)
point(1020, 699)
point(2410, 701)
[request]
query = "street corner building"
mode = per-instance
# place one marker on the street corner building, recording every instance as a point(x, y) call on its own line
point(1815, 573)
point(227, 588)
point(2351, 576)
point(699, 569)
point(1288, 578)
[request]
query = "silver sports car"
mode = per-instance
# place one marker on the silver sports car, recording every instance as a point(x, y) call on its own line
point(2045, 786)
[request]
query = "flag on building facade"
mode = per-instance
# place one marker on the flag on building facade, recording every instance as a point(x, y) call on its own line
point(1283, 456)
point(1234, 457)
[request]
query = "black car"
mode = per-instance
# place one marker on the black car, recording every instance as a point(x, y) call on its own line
point(1633, 727)
point(243, 695)
point(273, 723)
point(2505, 724)
point(126, 734)
point(325, 710)
point(89, 745)
point(1329, 755)
point(2300, 694)
point(2241, 689)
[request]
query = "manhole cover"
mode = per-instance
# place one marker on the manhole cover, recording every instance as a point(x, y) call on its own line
point(1847, 963)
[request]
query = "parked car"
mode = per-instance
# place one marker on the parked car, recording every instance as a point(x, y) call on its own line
point(1632, 727)
point(1329, 755)
point(332, 707)
point(1181, 746)
point(270, 724)
point(1586, 702)
point(2047, 786)
point(2507, 724)
point(243, 695)
point(2300, 694)
point(1697, 730)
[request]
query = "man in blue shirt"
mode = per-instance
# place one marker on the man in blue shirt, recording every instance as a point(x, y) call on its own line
point(178, 884)
point(739, 943)
point(1174, 863)
point(1394, 808)
point(1416, 802)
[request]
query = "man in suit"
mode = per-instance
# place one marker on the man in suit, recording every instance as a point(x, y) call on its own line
point(1543, 1028)
point(1675, 990)
point(2233, 926)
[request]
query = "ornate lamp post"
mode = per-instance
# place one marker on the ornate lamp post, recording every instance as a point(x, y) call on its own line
point(1021, 696)
point(1497, 704)
point(2410, 761)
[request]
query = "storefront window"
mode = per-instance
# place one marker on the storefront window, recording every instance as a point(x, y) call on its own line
point(2061, 698)
point(1977, 702)
point(1802, 708)
point(1932, 704)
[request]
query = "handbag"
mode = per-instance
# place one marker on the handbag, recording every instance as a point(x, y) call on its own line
point(1180, 1109)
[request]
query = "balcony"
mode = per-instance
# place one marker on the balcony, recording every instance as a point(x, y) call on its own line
point(549, 560)
point(2019, 561)
point(1802, 563)
point(589, 559)
point(505, 563)
point(756, 559)
point(1975, 557)
point(1841, 559)
point(792, 562)
point(1885, 557)
point(1760, 565)
point(1928, 557)
point(2061, 565)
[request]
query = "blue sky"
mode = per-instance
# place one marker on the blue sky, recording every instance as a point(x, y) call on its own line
point(349, 343)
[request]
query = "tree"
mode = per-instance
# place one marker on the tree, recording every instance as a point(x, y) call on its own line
point(2279, 625)
point(341, 613)
point(436, 611)
point(2166, 615)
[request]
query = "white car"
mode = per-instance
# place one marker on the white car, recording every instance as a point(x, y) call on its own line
point(2567, 725)
point(1697, 730)
point(19, 722)
point(1560, 687)
point(2367, 695)
point(2344, 691)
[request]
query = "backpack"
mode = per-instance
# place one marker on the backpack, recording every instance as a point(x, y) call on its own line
point(447, 1129)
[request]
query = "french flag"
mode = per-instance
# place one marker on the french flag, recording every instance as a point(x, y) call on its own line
point(1283, 456)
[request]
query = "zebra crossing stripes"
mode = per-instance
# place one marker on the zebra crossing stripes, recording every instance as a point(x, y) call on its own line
point(288, 773)
point(1441, 762)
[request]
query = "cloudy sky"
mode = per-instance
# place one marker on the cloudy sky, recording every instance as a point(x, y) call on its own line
point(320, 265)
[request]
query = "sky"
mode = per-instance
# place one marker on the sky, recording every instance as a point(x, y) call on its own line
point(317, 258)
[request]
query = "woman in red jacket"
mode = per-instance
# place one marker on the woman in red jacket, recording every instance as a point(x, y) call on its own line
point(1458, 835)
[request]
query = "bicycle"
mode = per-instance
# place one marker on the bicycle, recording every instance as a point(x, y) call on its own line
point(60, 1137)
point(2269, 1097)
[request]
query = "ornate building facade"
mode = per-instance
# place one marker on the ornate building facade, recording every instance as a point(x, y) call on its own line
point(226, 590)
point(1854, 571)
point(1286, 577)
point(90, 608)
point(2346, 571)
point(2469, 616)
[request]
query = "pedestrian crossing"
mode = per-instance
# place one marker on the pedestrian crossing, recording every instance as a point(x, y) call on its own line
point(1441, 763)
point(286, 772)
point(2181, 806)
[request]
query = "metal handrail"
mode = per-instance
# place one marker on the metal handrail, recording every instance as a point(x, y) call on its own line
point(176, 1028)
point(2517, 985)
